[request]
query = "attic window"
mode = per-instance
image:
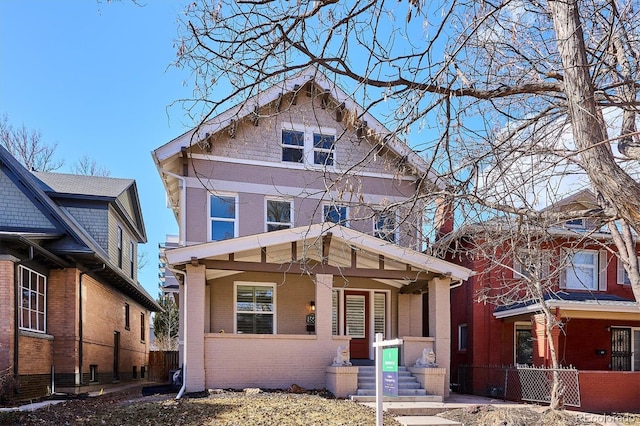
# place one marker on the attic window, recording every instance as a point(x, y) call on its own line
point(314, 147)
point(292, 146)
point(575, 223)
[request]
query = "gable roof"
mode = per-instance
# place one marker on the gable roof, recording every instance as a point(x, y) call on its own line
point(288, 85)
point(399, 262)
point(70, 243)
point(108, 189)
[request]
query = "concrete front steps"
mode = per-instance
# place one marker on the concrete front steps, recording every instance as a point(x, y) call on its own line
point(412, 406)
point(409, 389)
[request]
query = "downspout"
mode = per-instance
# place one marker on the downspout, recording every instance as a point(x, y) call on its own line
point(80, 337)
point(16, 317)
point(184, 331)
point(183, 196)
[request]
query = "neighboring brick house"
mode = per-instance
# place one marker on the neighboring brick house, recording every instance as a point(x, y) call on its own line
point(300, 232)
point(74, 316)
point(590, 295)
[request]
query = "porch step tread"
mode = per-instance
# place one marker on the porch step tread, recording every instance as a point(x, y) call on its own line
point(401, 398)
point(401, 385)
point(401, 392)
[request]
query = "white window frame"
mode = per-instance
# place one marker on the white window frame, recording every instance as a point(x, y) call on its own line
point(595, 266)
point(273, 286)
point(30, 274)
point(466, 332)
point(266, 213)
point(337, 205)
point(525, 325)
point(330, 151)
point(211, 219)
point(378, 233)
point(308, 148)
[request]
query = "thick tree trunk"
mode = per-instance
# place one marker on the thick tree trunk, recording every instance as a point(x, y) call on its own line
point(589, 131)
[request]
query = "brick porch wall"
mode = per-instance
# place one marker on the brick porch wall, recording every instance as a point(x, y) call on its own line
point(609, 391)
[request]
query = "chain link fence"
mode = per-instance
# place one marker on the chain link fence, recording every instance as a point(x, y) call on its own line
point(518, 383)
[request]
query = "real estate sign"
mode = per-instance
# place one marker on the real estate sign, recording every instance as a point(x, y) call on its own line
point(390, 372)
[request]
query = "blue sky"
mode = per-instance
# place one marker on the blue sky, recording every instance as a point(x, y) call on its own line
point(96, 79)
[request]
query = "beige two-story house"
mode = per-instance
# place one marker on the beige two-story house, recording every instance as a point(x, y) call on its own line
point(301, 232)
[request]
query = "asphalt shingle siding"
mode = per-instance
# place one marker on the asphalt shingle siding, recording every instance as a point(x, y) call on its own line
point(94, 221)
point(17, 210)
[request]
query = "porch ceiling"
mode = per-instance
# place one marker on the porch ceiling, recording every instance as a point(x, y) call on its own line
point(326, 248)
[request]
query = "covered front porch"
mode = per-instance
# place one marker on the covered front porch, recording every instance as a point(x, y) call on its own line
point(273, 309)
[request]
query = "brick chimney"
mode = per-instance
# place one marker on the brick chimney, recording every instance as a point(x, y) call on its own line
point(444, 216)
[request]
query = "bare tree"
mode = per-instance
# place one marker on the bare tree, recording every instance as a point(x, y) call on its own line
point(88, 166)
point(28, 147)
point(475, 88)
point(165, 325)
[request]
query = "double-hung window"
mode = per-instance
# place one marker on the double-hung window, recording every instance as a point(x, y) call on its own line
point(255, 308)
point(311, 146)
point(222, 217)
point(292, 146)
point(384, 226)
point(335, 213)
point(33, 301)
point(582, 271)
point(278, 215)
point(323, 149)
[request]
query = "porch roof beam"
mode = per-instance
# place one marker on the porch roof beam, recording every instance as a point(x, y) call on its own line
point(295, 267)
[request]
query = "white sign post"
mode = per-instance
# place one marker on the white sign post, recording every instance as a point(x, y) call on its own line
point(378, 345)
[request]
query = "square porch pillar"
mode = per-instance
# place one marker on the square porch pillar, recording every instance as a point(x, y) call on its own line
point(324, 288)
point(194, 343)
point(440, 325)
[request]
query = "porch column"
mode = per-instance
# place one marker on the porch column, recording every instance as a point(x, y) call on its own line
point(542, 354)
point(324, 287)
point(194, 309)
point(440, 325)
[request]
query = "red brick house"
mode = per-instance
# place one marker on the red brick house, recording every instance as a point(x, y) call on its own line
point(590, 295)
point(74, 316)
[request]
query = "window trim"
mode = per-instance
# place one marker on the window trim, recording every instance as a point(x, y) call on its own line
point(266, 212)
point(308, 148)
point(339, 205)
point(210, 218)
point(143, 334)
point(127, 316)
point(43, 329)
point(132, 257)
point(461, 347)
point(596, 271)
point(120, 244)
point(395, 231)
point(525, 325)
point(273, 286)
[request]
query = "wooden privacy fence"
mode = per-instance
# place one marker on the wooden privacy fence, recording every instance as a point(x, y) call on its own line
point(160, 363)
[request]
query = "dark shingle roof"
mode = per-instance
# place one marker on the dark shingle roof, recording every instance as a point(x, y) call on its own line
point(63, 183)
point(568, 297)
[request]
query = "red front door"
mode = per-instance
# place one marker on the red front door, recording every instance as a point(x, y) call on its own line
point(356, 321)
